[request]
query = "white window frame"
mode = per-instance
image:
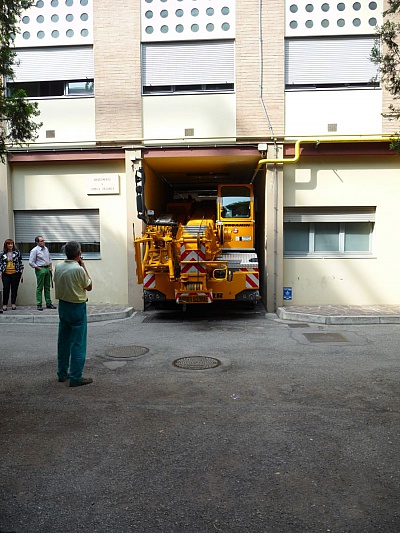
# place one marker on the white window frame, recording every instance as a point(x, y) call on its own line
point(178, 89)
point(341, 216)
point(66, 92)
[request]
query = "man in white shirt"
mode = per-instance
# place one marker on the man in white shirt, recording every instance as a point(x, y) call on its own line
point(72, 281)
point(41, 261)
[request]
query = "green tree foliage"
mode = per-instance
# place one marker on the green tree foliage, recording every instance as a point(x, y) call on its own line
point(17, 126)
point(386, 54)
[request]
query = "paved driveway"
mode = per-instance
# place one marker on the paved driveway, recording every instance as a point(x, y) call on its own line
point(296, 429)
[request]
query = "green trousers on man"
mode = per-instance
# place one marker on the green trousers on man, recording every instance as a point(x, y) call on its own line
point(72, 340)
point(43, 280)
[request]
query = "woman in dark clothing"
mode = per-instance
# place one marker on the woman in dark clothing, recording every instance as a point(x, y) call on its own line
point(11, 272)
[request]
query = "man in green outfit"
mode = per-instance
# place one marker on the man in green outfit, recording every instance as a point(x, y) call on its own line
point(72, 281)
point(41, 261)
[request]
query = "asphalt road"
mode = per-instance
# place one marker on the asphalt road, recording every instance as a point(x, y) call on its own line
point(296, 430)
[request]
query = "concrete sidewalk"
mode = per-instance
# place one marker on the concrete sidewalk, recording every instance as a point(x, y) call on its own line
point(96, 313)
point(324, 314)
point(342, 314)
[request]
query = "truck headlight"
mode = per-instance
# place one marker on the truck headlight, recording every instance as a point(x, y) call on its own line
point(219, 273)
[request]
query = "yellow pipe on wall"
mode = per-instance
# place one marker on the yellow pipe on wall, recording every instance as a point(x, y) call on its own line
point(317, 140)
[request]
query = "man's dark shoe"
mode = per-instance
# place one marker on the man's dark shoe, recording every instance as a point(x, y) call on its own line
point(51, 306)
point(83, 381)
point(39, 308)
point(61, 380)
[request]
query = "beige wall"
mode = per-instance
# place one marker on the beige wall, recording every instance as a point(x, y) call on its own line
point(117, 70)
point(345, 181)
point(64, 186)
point(72, 120)
point(310, 112)
point(6, 224)
point(271, 245)
point(133, 161)
point(210, 116)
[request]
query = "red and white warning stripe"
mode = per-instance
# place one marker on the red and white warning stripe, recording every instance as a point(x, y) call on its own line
point(193, 268)
point(149, 281)
point(252, 281)
point(192, 260)
point(193, 255)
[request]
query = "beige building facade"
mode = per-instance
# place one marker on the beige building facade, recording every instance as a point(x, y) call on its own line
point(280, 94)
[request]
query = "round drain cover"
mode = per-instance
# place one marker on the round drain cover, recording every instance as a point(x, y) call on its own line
point(126, 352)
point(197, 363)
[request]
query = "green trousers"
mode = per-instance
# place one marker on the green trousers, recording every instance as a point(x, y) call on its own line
point(72, 339)
point(43, 279)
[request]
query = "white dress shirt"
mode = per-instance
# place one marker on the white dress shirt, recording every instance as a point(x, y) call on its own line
point(40, 257)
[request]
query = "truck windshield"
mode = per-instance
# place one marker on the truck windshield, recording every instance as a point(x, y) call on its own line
point(235, 202)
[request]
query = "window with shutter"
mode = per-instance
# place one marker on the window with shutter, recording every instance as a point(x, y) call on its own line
point(51, 72)
point(195, 66)
point(52, 64)
point(58, 227)
point(333, 62)
point(328, 232)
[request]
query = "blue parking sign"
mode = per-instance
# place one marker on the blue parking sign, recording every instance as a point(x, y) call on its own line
point(287, 293)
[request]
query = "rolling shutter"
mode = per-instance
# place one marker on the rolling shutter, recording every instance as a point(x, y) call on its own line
point(82, 225)
point(329, 214)
point(329, 61)
point(188, 63)
point(54, 64)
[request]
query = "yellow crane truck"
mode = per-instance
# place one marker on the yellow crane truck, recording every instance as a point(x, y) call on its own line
point(199, 251)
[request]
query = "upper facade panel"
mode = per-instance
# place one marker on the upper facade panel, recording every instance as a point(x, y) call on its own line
point(306, 18)
point(185, 20)
point(56, 23)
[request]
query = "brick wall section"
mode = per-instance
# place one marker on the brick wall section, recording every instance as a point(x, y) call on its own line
point(389, 126)
point(117, 70)
point(250, 119)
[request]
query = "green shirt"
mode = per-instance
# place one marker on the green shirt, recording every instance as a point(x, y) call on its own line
point(71, 281)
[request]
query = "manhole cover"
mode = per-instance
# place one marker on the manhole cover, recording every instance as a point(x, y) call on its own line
point(325, 337)
point(197, 363)
point(126, 352)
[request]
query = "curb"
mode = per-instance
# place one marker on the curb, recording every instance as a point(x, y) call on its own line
point(113, 315)
point(53, 319)
point(334, 320)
